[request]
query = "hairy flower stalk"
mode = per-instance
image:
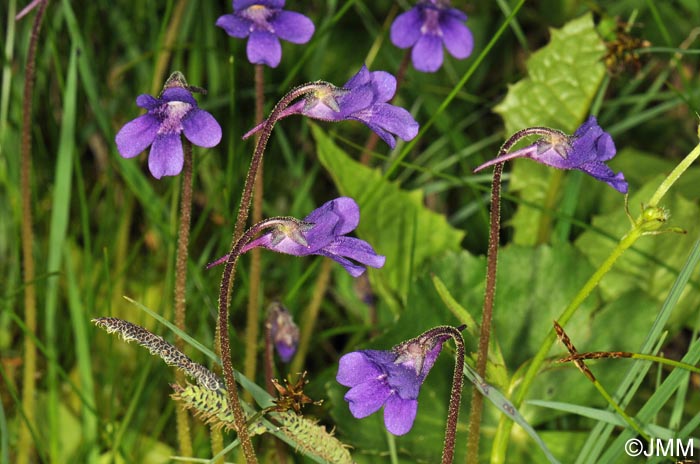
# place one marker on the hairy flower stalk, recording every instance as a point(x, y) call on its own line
point(252, 331)
point(183, 239)
point(322, 232)
point(392, 379)
point(586, 150)
point(27, 231)
point(225, 288)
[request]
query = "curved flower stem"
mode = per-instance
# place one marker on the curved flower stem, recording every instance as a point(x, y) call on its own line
point(487, 313)
point(183, 239)
point(259, 151)
point(29, 373)
point(448, 450)
point(237, 243)
point(227, 280)
point(252, 330)
point(641, 225)
point(490, 291)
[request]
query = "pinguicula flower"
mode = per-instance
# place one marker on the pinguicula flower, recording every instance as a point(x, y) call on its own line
point(175, 111)
point(322, 232)
point(363, 98)
point(587, 150)
point(264, 22)
point(428, 26)
point(283, 331)
point(389, 378)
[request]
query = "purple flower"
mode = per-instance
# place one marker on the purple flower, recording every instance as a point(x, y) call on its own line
point(264, 22)
point(587, 150)
point(173, 112)
point(321, 233)
point(283, 331)
point(363, 98)
point(389, 378)
point(426, 27)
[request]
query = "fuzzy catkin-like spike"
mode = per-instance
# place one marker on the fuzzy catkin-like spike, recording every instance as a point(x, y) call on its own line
point(210, 406)
point(159, 347)
point(313, 438)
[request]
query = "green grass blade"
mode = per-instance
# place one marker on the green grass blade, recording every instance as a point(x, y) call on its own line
point(628, 387)
point(57, 235)
point(82, 354)
point(506, 407)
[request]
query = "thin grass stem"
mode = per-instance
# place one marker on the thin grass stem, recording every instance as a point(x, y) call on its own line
point(24, 446)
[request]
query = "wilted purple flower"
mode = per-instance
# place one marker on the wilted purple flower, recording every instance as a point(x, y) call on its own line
point(389, 378)
point(363, 98)
point(173, 112)
point(283, 331)
point(322, 233)
point(426, 27)
point(264, 22)
point(587, 150)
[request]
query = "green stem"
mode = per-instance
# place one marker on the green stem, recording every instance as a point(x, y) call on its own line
point(311, 315)
point(253, 314)
point(27, 230)
point(500, 444)
point(630, 421)
point(505, 425)
point(183, 238)
point(674, 175)
point(166, 48)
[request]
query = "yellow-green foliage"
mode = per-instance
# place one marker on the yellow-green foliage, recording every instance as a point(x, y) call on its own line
point(309, 437)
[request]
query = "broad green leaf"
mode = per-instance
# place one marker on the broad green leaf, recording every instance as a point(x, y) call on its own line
point(563, 78)
point(394, 221)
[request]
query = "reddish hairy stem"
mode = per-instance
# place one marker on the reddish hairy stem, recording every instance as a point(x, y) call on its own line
point(183, 239)
point(27, 231)
point(490, 291)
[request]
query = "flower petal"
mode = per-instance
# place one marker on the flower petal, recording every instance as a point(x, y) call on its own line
point(399, 414)
point(357, 250)
point(293, 27)
point(146, 101)
point(358, 99)
point(427, 53)
point(234, 25)
point(384, 85)
point(356, 368)
point(405, 31)
point(166, 157)
point(366, 398)
point(270, 4)
point(201, 128)
point(344, 212)
point(137, 135)
point(178, 94)
point(395, 120)
point(264, 48)
point(604, 174)
point(362, 77)
point(355, 270)
point(456, 36)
